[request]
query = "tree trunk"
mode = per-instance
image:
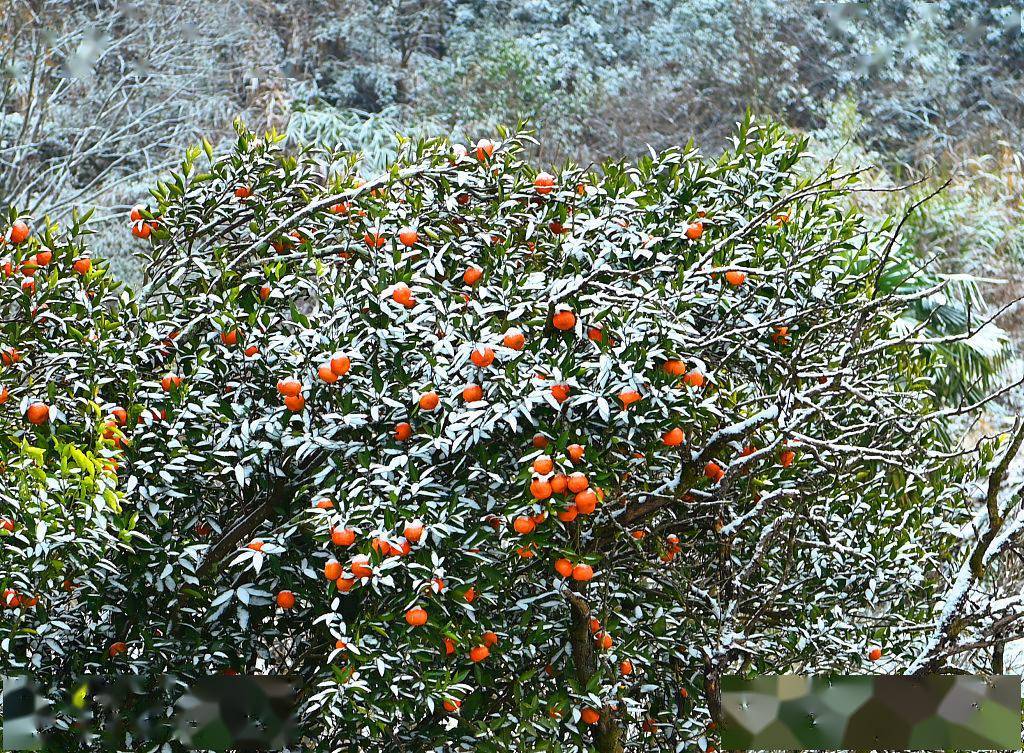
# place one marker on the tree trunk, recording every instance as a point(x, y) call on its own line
point(607, 733)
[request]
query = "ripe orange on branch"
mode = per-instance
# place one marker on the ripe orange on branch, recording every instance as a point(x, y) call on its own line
point(514, 339)
point(482, 356)
point(408, 237)
point(416, 616)
point(38, 413)
point(285, 599)
point(563, 320)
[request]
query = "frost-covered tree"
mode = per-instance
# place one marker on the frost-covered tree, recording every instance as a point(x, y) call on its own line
point(97, 94)
point(490, 458)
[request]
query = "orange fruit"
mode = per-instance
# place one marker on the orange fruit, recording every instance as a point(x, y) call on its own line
point(582, 573)
point(408, 237)
point(469, 595)
point(449, 646)
point(596, 334)
point(170, 381)
point(243, 192)
point(472, 275)
point(875, 654)
point(544, 182)
point(479, 653)
point(289, 387)
point(577, 482)
point(285, 599)
point(523, 525)
point(343, 537)
point(403, 431)
point(540, 489)
point(229, 337)
point(526, 552)
point(735, 278)
point(340, 364)
point(695, 230)
point(559, 483)
point(674, 367)
point(38, 413)
point(374, 240)
point(564, 320)
point(472, 393)
point(626, 667)
point(694, 379)
point(117, 648)
point(82, 266)
point(43, 258)
point(586, 501)
point(19, 232)
point(402, 294)
point(264, 292)
point(360, 566)
point(413, 531)
point(603, 641)
point(563, 567)
point(786, 458)
point(514, 339)
point(628, 398)
point(543, 465)
point(590, 716)
point(575, 452)
point(141, 229)
point(332, 570)
point(344, 584)
point(327, 374)
point(714, 471)
point(451, 706)
point(560, 392)
point(295, 403)
point(484, 149)
point(482, 356)
point(673, 437)
point(568, 515)
point(540, 441)
point(429, 401)
point(416, 616)
point(256, 546)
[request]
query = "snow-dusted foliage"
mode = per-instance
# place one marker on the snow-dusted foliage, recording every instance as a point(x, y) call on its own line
point(491, 459)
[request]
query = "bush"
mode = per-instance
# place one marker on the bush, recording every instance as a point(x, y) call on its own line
point(614, 434)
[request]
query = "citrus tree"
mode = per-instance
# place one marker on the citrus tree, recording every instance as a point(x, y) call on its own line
point(492, 459)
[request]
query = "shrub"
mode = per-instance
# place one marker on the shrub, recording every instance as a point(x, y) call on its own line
point(579, 444)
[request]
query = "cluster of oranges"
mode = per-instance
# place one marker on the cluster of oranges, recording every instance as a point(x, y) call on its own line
point(12, 599)
point(17, 234)
point(291, 391)
point(140, 226)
